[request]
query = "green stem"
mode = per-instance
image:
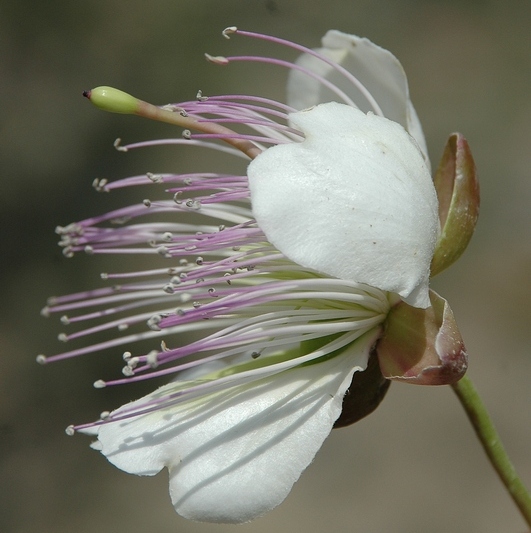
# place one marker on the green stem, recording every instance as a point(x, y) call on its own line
point(492, 445)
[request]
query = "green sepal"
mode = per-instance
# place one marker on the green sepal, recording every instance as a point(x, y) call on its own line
point(457, 189)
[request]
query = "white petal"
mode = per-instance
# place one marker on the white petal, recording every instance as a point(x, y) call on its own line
point(235, 454)
point(376, 68)
point(354, 200)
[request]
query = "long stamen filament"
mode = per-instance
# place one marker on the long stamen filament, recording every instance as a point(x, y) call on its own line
point(116, 101)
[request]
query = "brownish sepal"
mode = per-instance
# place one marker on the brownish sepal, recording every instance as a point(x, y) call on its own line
point(422, 346)
point(364, 395)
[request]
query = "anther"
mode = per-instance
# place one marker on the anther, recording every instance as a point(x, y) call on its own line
point(126, 356)
point(116, 144)
point(146, 202)
point(104, 275)
point(63, 337)
point(89, 250)
point(153, 322)
point(104, 415)
point(227, 32)
point(70, 430)
point(127, 371)
point(168, 288)
point(99, 184)
point(218, 60)
point(167, 236)
point(99, 384)
point(163, 250)
point(41, 359)
point(45, 311)
point(65, 320)
point(155, 178)
point(187, 134)
point(199, 261)
point(133, 362)
point(199, 96)
point(151, 359)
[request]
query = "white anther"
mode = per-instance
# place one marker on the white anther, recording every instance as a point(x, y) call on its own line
point(218, 60)
point(116, 144)
point(153, 322)
point(100, 184)
point(63, 337)
point(123, 326)
point(199, 261)
point(167, 236)
point(186, 134)
point(89, 250)
point(45, 311)
point(105, 414)
point(155, 178)
point(99, 384)
point(168, 288)
point(41, 359)
point(163, 347)
point(70, 430)
point(127, 371)
point(196, 305)
point(151, 359)
point(199, 96)
point(227, 32)
point(146, 202)
point(65, 320)
point(163, 250)
point(126, 356)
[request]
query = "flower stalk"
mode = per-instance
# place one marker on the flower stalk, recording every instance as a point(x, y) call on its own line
point(491, 442)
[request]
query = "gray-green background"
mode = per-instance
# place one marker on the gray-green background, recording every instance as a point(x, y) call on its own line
point(414, 465)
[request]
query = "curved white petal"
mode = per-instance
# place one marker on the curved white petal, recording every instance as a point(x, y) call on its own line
point(354, 200)
point(235, 454)
point(376, 68)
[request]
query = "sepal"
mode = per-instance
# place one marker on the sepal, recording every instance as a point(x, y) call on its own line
point(457, 189)
point(422, 346)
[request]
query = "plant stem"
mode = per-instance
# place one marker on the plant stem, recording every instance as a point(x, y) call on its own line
point(490, 440)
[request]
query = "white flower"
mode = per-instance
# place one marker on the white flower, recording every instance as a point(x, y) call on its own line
point(290, 275)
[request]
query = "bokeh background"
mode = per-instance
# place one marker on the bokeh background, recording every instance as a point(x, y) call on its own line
point(412, 466)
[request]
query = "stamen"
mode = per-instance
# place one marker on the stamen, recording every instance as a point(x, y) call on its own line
point(305, 50)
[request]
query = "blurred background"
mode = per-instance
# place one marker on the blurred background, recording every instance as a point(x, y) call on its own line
point(412, 466)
